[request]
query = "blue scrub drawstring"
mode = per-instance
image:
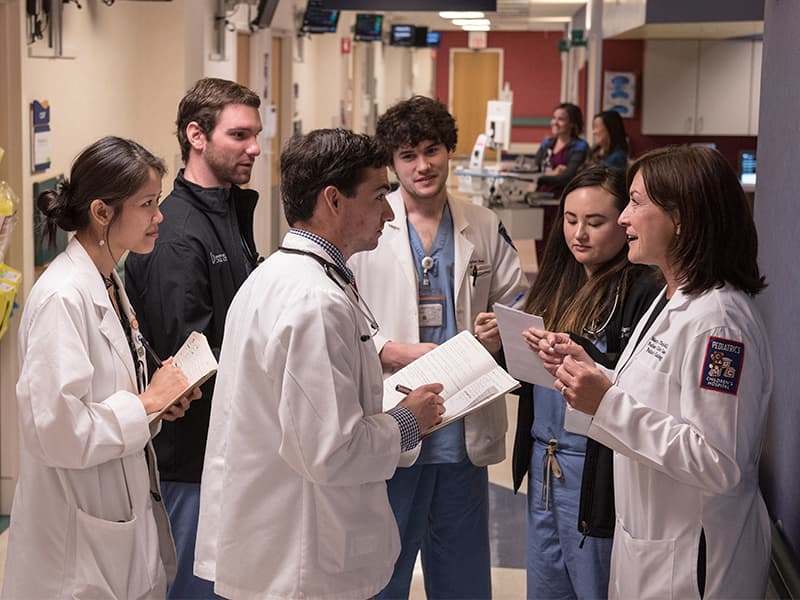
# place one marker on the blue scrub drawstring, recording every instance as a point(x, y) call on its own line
point(550, 466)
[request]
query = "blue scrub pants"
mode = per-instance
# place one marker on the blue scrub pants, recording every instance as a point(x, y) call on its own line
point(442, 509)
point(557, 567)
point(182, 501)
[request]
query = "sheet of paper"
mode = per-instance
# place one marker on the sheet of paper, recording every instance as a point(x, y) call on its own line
point(575, 421)
point(196, 361)
point(521, 362)
point(470, 376)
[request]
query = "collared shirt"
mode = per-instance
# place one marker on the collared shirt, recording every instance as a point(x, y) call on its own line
point(406, 421)
point(335, 253)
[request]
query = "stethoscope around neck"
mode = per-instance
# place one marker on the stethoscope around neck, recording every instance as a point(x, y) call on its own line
point(333, 270)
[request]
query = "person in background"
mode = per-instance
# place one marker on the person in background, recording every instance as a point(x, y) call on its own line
point(439, 263)
point(87, 519)
point(610, 141)
point(294, 495)
point(559, 158)
point(204, 253)
point(585, 286)
point(685, 410)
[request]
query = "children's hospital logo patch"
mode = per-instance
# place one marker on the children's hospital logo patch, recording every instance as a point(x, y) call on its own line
point(722, 365)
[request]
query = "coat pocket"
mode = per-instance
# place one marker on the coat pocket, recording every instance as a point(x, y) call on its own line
point(108, 559)
point(642, 568)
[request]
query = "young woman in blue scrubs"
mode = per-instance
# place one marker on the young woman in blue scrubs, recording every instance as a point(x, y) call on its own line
point(586, 286)
point(610, 140)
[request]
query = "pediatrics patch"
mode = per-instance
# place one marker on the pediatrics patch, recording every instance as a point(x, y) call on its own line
point(722, 365)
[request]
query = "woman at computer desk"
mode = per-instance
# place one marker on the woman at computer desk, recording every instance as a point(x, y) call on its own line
point(559, 157)
point(610, 141)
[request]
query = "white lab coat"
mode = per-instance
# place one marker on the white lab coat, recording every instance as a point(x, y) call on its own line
point(686, 457)
point(83, 522)
point(293, 499)
point(387, 280)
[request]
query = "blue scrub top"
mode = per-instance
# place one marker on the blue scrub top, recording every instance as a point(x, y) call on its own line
point(548, 416)
point(446, 445)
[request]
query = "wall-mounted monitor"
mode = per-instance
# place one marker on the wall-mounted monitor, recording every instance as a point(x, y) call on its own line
point(318, 19)
point(420, 37)
point(369, 27)
point(402, 35)
point(434, 39)
point(265, 12)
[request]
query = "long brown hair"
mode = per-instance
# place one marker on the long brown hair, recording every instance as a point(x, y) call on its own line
point(562, 293)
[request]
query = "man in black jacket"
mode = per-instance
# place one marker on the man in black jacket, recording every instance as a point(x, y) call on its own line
point(204, 252)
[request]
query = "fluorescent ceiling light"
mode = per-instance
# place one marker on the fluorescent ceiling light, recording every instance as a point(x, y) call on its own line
point(465, 14)
point(475, 27)
point(549, 19)
point(462, 22)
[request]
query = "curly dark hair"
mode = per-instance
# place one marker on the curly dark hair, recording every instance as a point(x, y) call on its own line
point(416, 120)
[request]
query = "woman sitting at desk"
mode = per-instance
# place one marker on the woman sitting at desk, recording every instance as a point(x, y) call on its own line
point(611, 143)
point(559, 158)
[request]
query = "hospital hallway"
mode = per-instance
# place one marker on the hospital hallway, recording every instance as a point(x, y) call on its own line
point(507, 528)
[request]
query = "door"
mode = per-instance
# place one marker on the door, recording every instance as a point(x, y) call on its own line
point(475, 78)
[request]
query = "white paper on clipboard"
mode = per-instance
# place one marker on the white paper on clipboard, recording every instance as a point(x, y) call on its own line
point(521, 362)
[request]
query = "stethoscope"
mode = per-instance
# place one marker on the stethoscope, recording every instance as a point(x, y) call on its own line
point(331, 269)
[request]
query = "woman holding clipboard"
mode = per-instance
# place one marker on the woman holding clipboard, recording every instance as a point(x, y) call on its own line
point(87, 519)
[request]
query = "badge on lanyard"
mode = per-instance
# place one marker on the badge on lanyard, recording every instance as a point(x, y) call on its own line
point(431, 299)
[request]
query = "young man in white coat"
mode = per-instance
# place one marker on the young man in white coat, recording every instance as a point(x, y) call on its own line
point(439, 264)
point(293, 497)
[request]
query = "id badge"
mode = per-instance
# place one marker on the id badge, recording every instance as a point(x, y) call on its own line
point(431, 307)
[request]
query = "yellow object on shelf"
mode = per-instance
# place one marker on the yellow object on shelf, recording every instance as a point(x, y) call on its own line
point(10, 279)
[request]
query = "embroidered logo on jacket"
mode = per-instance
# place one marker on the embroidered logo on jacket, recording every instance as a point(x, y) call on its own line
point(722, 365)
point(218, 258)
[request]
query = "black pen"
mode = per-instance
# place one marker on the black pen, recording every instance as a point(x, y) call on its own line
point(150, 352)
point(403, 389)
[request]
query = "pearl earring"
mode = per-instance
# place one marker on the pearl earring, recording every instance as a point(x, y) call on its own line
point(101, 243)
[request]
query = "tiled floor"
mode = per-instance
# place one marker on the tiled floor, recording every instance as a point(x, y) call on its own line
point(507, 523)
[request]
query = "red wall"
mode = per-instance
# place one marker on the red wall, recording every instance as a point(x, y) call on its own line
point(532, 67)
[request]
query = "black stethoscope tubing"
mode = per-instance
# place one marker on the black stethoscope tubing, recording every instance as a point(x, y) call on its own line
point(331, 268)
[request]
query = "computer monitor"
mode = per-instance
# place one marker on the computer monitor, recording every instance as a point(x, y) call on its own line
point(498, 124)
point(402, 35)
point(434, 39)
point(420, 37)
point(747, 167)
point(318, 19)
point(369, 27)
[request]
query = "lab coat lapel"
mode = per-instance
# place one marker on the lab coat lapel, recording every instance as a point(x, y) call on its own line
point(462, 246)
point(109, 327)
point(396, 232)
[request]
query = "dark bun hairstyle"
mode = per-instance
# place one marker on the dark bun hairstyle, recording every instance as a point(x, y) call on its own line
point(112, 169)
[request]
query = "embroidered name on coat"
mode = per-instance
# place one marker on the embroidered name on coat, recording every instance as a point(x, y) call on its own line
point(722, 365)
point(218, 258)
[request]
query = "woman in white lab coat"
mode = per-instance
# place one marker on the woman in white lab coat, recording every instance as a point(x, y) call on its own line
point(685, 410)
point(87, 519)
